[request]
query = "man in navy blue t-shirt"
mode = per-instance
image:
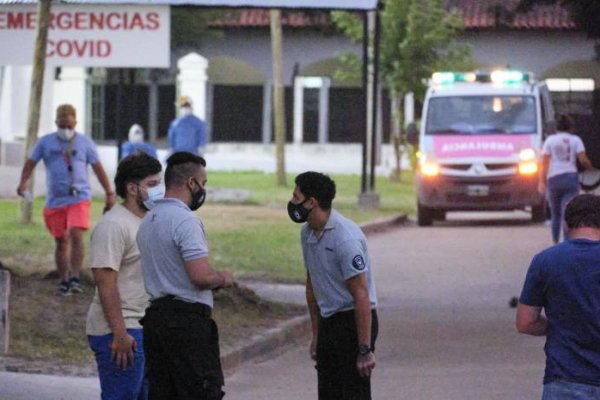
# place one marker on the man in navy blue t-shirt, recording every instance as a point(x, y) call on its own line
point(564, 280)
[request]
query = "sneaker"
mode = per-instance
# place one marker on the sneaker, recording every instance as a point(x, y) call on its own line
point(63, 289)
point(75, 286)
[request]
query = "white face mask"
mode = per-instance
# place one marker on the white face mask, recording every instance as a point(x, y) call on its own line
point(65, 134)
point(154, 193)
point(185, 111)
point(136, 134)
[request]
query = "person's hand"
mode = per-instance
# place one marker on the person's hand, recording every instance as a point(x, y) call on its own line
point(365, 364)
point(228, 280)
point(312, 350)
point(109, 202)
point(542, 187)
point(22, 189)
point(122, 350)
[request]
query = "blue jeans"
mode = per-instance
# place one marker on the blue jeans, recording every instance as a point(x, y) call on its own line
point(563, 390)
point(115, 383)
point(561, 189)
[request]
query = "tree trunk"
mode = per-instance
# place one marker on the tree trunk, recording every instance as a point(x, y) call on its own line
point(35, 96)
point(278, 95)
point(397, 122)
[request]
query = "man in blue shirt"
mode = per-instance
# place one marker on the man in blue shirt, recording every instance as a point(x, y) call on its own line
point(181, 340)
point(188, 132)
point(66, 156)
point(136, 143)
point(340, 292)
point(564, 281)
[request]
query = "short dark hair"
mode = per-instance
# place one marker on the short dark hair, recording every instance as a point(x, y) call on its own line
point(180, 166)
point(565, 123)
point(317, 185)
point(134, 168)
point(583, 211)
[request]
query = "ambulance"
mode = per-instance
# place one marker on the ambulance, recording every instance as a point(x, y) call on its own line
point(479, 146)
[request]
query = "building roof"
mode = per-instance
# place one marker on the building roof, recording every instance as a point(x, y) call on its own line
point(296, 4)
point(487, 14)
point(477, 14)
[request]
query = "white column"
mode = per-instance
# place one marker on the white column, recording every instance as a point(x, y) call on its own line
point(15, 101)
point(191, 81)
point(324, 110)
point(267, 117)
point(71, 88)
point(298, 110)
point(409, 108)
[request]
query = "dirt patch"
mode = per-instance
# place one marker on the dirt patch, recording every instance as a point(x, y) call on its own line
point(48, 331)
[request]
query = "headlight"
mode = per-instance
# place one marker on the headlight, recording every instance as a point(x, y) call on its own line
point(429, 168)
point(528, 168)
point(527, 155)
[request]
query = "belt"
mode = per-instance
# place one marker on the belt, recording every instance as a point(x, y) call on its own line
point(170, 303)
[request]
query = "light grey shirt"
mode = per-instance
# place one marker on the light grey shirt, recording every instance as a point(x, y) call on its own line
point(169, 235)
point(339, 254)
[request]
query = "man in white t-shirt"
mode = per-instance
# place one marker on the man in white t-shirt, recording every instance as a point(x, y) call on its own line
point(113, 328)
point(559, 179)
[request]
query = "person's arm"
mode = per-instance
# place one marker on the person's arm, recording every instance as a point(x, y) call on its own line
point(103, 179)
point(530, 320)
point(28, 168)
point(123, 345)
point(545, 165)
point(585, 161)
point(359, 288)
point(204, 277)
point(313, 311)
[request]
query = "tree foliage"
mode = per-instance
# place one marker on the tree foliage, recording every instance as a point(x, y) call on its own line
point(189, 25)
point(418, 38)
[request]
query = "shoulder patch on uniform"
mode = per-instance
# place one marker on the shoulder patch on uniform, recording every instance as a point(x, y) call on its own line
point(358, 263)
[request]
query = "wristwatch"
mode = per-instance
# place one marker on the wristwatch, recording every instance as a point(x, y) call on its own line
point(363, 349)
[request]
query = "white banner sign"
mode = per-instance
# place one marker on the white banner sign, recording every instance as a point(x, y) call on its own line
point(89, 35)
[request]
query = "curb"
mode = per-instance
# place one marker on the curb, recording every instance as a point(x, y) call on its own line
point(289, 331)
point(297, 328)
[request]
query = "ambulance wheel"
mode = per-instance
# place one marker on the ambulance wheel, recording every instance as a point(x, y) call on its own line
point(424, 216)
point(438, 215)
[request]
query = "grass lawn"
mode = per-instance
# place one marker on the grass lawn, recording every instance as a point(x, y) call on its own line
point(255, 241)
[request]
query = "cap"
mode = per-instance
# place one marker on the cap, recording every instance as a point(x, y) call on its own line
point(184, 101)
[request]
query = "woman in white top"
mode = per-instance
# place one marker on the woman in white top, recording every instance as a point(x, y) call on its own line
point(558, 176)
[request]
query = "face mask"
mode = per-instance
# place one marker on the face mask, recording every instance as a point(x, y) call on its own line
point(65, 134)
point(197, 197)
point(154, 193)
point(297, 212)
point(185, 111)
point(136, 134)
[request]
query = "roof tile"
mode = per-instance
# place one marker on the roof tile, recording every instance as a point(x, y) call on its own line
point(477, 14)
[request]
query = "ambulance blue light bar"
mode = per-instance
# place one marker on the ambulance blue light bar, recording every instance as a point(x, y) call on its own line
point(497, 76)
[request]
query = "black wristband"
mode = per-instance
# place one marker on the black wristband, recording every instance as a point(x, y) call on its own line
point(363, 350)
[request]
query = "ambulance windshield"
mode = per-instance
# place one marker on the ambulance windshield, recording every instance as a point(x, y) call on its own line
point(481, 115)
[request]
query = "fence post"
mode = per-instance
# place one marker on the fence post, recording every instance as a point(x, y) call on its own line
point(4, 315)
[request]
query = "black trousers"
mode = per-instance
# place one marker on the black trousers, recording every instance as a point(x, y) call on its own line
point(181, 345)
point(337, 350)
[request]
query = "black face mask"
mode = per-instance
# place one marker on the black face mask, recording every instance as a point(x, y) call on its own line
point(197, 197)
point(298, 213)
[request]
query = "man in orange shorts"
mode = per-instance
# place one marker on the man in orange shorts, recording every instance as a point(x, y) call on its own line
point(66, 155)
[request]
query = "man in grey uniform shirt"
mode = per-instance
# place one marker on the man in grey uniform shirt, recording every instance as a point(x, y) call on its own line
point(340, 292)
point(181, 340)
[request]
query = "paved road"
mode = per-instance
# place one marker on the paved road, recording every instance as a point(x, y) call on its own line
point(446, 329)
